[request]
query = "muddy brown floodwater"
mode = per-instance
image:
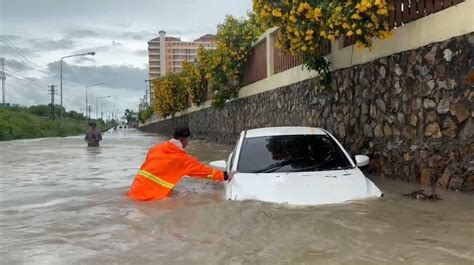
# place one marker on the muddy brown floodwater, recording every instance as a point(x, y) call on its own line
point(62, 203)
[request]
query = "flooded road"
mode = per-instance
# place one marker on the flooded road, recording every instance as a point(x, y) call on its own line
point(63, 203)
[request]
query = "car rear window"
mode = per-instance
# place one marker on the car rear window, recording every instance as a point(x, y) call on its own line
point(291, 153)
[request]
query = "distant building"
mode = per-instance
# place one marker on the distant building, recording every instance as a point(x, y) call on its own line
point(166, 54)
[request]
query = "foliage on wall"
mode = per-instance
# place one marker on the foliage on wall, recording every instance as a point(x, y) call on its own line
point(305, 24)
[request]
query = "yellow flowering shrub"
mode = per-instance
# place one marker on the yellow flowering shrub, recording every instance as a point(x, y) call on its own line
point(234, 44)
point(194, 82)
point(210, 64)
point(170, 94)
point(305, 24)
point(218, 70)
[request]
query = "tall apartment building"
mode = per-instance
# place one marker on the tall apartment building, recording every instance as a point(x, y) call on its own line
point(166, 54)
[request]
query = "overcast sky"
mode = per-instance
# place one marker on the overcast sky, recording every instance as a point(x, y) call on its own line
point(36, 33)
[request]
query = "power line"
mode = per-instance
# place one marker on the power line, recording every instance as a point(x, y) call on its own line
point(18, 51)
point(17, 74)
point(22, 79)
point(23, 84)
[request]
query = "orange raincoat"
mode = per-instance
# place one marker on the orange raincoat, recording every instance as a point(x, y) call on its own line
point(164, 166)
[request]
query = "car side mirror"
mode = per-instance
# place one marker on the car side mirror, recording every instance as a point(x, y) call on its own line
point(219, 164)
point(362, 161)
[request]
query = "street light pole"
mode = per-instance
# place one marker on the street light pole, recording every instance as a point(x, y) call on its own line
point(108, 111)
point(61, 83)
point(102, 110)
point(97, 106)
point(87, 87)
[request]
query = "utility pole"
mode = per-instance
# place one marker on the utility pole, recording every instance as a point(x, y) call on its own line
point(89, 109)
point(141, 106)
point(52, 92)
point(148, 89)
point(3, 77)
point(146, 97)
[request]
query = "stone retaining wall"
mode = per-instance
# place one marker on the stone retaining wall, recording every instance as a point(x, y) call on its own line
point(411, 112)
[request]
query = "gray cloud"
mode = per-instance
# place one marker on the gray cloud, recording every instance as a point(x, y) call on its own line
point(17, 66)
point(10, 37)
point(141, 52)
point(46, 44)
point(12, 49)
point(26, 47)
point(101, 48)
point(187, 34)
point(139, 35)
point(5, 51)
point(117, 77)
point(83, 59)
point(116, 43)
point(80, 33)
point(34, 79)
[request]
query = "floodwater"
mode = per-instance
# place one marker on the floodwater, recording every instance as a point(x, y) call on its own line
point(63, 203)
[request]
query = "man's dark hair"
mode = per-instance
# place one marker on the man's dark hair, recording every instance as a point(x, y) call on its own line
point(181, 132)
point(92, 124)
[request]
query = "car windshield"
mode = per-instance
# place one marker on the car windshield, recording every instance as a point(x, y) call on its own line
point(291, 153)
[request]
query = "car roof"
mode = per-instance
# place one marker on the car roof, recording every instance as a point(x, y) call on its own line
point(274, 131)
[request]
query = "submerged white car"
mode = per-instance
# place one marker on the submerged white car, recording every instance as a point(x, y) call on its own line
point(295, 165)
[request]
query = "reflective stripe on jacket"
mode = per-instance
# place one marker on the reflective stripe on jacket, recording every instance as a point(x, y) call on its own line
point(164, 166)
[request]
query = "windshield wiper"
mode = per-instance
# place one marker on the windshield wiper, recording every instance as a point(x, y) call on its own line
point(321, 167)
point(276, 166)
point(317, 166)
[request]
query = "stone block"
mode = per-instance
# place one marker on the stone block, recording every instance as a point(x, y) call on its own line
point(382, 71)
point(431, 56)
point(444, 106)
point(425, 176)
point(443, 181)
point(460, 111)
point(429, 103)
point(367, 130)
point(398, 70)
point(449, 128)
point(413, 120)
point(433, 130)
point(431, 116)
point(387, 130)
point(373, 111)
point(381, 105)
point(456, 183)
point(378, 131)
point(396, 88)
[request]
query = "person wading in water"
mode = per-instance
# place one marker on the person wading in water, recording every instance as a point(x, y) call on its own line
point(93, 136)
point(165, 165)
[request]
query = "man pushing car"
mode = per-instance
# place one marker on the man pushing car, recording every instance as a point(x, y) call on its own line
point(165, 165)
